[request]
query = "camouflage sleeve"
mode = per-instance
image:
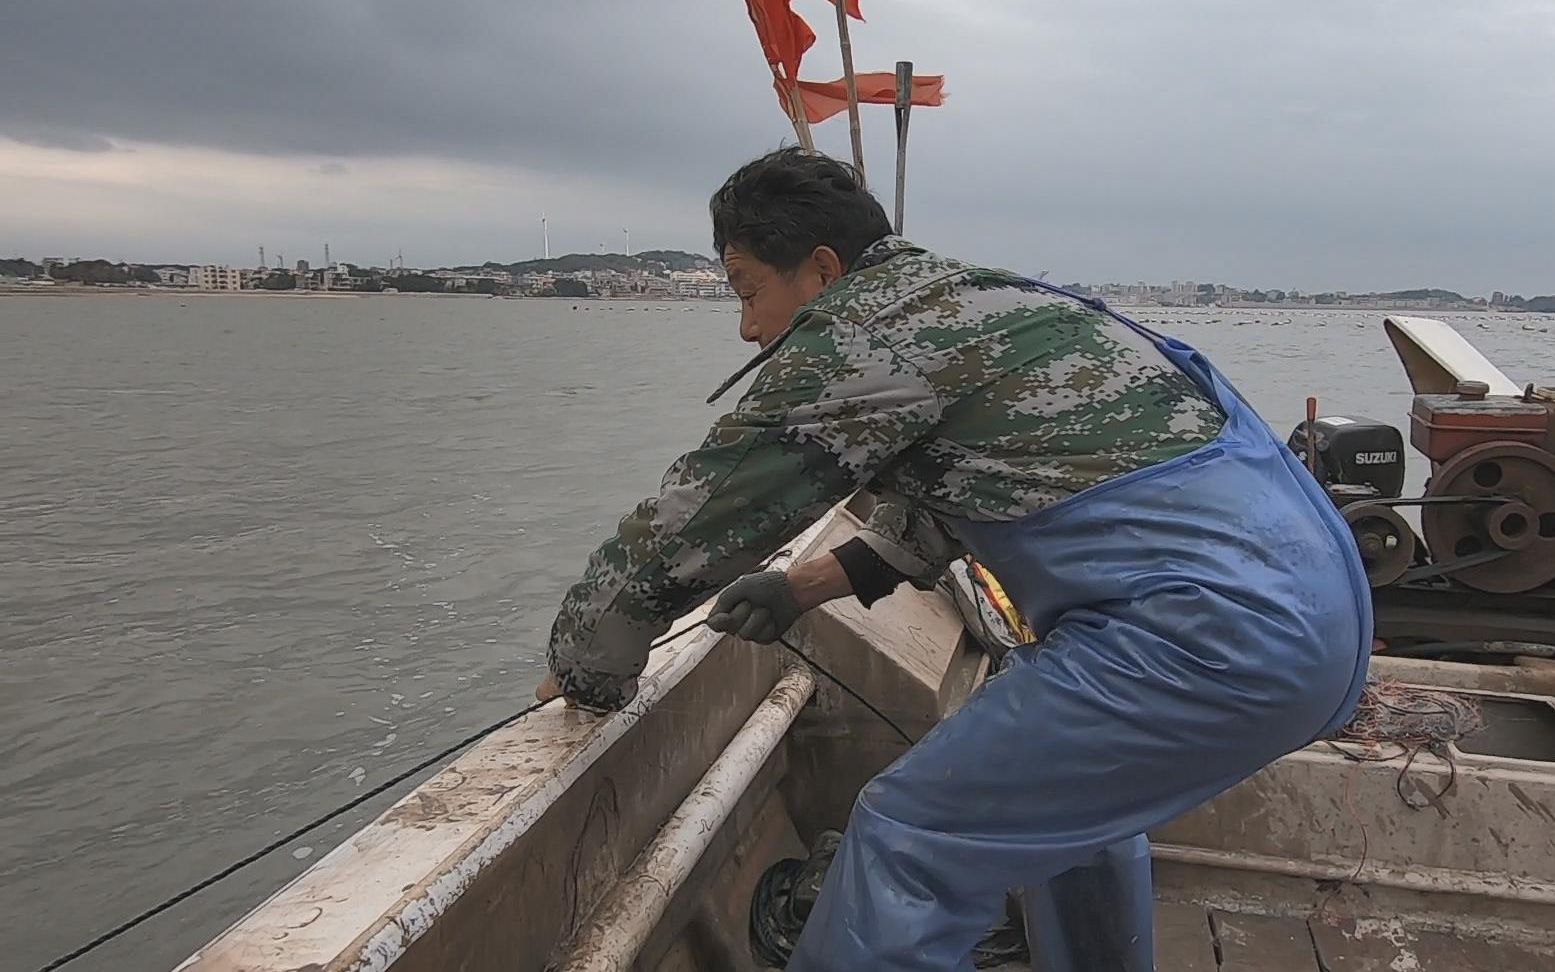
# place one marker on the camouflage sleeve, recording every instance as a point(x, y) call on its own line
point(823, 416)
point(909, 538)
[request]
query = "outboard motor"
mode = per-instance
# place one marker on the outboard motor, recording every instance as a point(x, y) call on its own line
point(1361, 454)
point(1360, 464)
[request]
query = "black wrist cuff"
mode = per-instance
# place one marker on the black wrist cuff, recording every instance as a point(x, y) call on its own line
point(871, 577)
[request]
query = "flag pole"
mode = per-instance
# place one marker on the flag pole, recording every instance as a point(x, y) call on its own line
point(854, 128)
point(796, 114)
point(903, 110)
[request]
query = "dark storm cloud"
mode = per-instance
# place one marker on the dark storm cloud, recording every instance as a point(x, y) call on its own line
point(1354, 144)
point(616, 86)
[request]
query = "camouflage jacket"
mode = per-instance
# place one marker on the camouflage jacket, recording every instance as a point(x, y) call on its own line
point(947, 389)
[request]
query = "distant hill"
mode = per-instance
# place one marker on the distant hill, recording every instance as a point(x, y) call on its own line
point(82, 271)
point(103, 272)
point(1540, 305)
point(675, 259)
point(579, 262)
point(1422, 294)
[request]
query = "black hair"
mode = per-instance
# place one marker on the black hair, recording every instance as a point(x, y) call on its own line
point(783, 205)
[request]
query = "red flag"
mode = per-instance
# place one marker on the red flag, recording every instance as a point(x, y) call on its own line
point(823, 99)
point(852, 8)
point(784, 35)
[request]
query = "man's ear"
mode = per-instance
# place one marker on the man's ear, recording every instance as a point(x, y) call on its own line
point(828, 265)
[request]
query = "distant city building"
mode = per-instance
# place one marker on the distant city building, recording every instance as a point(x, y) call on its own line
point(536, 283)
point(212, 277)
point(343, 276)
point(172, 276)
point(699, 283)
point(480, 281)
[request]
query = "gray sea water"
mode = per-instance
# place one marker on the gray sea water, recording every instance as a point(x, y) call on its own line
point(257, 554)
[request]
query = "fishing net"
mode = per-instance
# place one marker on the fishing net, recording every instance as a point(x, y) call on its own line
point(1391, 722)
point(1394, 720)
point(1410, 716)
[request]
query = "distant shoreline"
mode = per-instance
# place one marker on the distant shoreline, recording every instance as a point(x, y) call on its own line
point(59, 290)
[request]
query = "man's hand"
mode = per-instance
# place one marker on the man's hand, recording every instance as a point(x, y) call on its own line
point(585, 688)
point(757, 607)
point(548, 690)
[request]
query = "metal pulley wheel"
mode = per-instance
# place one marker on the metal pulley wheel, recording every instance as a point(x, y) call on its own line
point(1386, 542)
point(1523, 525)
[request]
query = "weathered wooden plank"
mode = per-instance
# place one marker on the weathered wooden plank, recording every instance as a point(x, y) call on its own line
point(1252, 943)
point(1343, 950)
point(1384, 946)
point(1183, 942)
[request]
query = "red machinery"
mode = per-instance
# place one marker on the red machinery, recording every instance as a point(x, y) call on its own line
point(1483, 562)
point(1490, 505)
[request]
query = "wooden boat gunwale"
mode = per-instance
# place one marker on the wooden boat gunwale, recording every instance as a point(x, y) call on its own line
point(392, 926)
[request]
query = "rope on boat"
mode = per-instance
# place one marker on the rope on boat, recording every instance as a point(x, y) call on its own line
point(1389, 712)
point(1408, 719)
point(846, 688)
point(1393, 720)
point(394, 781)
point(309, 827)
point(282, 841)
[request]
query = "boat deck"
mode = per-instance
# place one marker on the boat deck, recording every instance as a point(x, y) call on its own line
point(1190, 938)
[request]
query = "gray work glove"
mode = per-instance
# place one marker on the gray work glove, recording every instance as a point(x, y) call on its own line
point(757, 607)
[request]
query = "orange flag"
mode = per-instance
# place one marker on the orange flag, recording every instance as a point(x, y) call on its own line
point(852, 8)
point(784, 35)
point(823, 99)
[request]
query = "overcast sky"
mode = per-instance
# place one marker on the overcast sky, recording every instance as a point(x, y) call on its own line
point(1345, 144)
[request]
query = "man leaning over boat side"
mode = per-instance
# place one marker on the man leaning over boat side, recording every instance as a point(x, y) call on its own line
point(1201, 607)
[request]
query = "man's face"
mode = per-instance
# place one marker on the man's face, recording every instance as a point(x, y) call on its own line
point(769, 297)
